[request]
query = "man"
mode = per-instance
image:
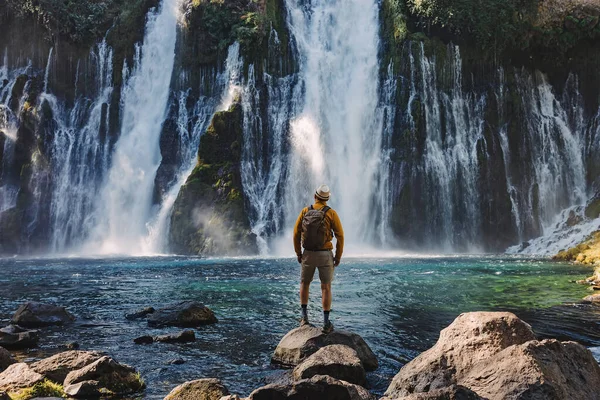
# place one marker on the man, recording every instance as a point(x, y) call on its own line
point(314, 231)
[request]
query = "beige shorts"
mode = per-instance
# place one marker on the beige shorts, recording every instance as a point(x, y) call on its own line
point(311, 260)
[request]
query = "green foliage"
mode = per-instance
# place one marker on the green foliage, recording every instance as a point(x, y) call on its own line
point(42, 389)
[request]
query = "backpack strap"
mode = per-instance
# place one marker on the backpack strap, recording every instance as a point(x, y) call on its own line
point(325, 209)
point(311, 207)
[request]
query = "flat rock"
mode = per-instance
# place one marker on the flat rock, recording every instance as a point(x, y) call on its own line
point(185, 314)
point(454, 392)
point(17, 338)
point(318, 387)
point(118, 378)
point(18, 376)
point(338, 361)
point(472, 337)
point(300, 343)
point(546, 369)
point(201, 389)
point(57, 367)
point(141, 313)
point(85, 389)
point(36, 315)
point(6, 359)
point(180, 337)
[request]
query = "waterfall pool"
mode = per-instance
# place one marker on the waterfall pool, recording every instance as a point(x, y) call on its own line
point(398, 305)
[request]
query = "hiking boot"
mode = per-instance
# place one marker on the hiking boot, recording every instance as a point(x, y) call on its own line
point(304, 321)
point(327, 328)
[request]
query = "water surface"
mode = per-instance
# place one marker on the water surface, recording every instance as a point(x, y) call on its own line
point(398, 305)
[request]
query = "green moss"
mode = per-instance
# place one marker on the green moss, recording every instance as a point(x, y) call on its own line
point(42, 389)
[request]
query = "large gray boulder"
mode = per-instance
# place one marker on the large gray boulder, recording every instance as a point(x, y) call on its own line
point(6, 359)
point(185, 314)
point(201, 389)
point(36, 315)
point(546, 369)
point(57, 367)
point(496, 356)
point(453, 392)
point(470, 338)
point(18, 376)
point(104, 374)
point(17, 338)
point(318, 387)
point(300, 343)
point(338, 361)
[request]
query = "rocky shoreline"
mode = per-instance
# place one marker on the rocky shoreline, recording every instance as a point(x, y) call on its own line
point(481, 355)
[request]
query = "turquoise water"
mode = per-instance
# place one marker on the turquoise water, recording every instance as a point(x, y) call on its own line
point(398, 305)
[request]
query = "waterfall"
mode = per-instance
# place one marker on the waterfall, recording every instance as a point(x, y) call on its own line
point(336, 138)
point(125, 201)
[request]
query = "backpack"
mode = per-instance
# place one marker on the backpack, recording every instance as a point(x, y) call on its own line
point(314, 234)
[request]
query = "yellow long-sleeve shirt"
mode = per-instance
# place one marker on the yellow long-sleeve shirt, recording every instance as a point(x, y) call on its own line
point(333, 226)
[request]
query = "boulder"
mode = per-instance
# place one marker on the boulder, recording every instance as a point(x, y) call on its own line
point(338, 361)
point(546, 369)
point(57, 367)
point(454, 392)
point(85, 389)
point(470, 338)
point(201, 389)
point(302, 342)
point(185, 314)
point(318, 387)
point(181, 337)
point(15, 337)
point(109, 374)
point(6, 359)
point(141, 313)
point(593, 298)
point(35, 315)
point(18, 376)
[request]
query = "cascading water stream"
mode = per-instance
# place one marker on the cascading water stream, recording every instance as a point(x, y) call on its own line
point(337, 136)
point(125, 201)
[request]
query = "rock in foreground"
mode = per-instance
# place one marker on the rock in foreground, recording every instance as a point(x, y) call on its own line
point(36, 315)
point(201, 389)
point(105, 374)
point(57, 367)
point(302, 342)
point(185, 314)
point(18, 376)
point(453, 392)
point(496, 356)
point(338, 361)
point(318, 387)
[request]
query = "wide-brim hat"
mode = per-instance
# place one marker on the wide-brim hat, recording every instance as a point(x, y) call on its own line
point(323, 193)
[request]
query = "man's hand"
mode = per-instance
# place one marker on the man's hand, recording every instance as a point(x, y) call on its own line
point(300, 258)
point(336, 262)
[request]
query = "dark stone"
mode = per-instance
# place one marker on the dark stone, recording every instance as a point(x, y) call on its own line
point(35, 315)
point(146, 339)
point(185, 314)
point(319, 387)
point(16, 338)
point(454, 392)
point(72, 346)
point(176, 361)
point(136, 314)
point(6, 359)
point(181, 337)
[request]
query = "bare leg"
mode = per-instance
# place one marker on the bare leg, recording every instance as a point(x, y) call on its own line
point(326, 293)
point(304, 289)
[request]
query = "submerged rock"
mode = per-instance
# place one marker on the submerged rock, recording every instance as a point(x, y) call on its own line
point(57, 367)
point(18, 376)
point(318, 387)
point(137, 314)
point(36, 315)
point(338, 361)
point(181, 337)
point(496, 356)
point(6, 359)
point(185, 314)
point(15, 337)
point(300, 343)
point(104, 374)
point(201, 389)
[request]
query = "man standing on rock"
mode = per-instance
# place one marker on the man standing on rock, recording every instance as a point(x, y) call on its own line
point(314, 231)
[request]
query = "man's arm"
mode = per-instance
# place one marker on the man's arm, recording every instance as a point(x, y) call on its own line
point(338, 231)
point(298, 236)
